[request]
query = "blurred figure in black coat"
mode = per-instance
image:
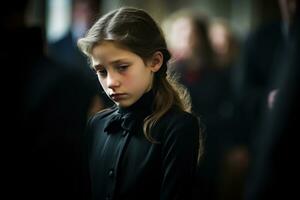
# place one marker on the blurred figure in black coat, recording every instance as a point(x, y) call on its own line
point(65, 50)
point(275, 158)
point(46, 107)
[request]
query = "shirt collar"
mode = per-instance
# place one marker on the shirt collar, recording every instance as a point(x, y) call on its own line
point(131, 117)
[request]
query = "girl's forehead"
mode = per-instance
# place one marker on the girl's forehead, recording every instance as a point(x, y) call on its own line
point(109, 46)
point(109, 51)
point(112, 43)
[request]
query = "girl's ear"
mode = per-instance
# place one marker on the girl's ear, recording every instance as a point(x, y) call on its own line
point(156, 61)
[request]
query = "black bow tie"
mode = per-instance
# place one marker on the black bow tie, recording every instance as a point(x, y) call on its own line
point(119, 121)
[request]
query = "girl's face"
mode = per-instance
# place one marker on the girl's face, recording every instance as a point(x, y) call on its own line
point(123, 75)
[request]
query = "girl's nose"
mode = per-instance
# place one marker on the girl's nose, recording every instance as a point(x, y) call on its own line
point(112, 81)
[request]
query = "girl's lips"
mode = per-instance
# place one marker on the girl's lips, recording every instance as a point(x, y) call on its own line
point(117, 97)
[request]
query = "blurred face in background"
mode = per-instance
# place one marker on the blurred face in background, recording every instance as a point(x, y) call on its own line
point(288, 10)
point(181, 38)
point(82, 16)
point(219, 38)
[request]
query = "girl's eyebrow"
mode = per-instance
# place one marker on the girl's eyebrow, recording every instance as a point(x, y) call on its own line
point(118, 61)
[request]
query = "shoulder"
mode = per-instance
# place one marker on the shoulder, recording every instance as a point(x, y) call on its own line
point(179, 122)
point(101, 115)
point(175, 115)
point(178, 128)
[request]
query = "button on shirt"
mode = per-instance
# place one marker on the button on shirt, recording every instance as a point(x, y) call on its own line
point(125, 165)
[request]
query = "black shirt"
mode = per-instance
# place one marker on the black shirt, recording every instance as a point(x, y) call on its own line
point(125, 165)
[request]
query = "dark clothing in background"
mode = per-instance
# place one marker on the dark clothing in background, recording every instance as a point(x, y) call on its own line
point(212, 101)
point(275, 157)
point(66, 52)
point(255, 75)
point(45, 115)
point(125, 165)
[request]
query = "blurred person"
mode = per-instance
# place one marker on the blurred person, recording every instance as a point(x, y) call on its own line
point(147, 145)
point(46, 108)
point(253, 79)
point(235, 160)
point(274, 155)
point(209, 85)
point(65, 50)
point(187, 37)
point(224, 42)
point(83, 14)
point(257, 70)
point(257, 78)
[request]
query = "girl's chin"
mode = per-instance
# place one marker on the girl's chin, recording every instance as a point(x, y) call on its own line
point(124, 104)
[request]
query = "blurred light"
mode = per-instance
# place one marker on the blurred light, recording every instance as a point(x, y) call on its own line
point(58, 19)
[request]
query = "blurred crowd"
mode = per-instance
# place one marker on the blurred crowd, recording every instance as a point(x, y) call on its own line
point(245, 92)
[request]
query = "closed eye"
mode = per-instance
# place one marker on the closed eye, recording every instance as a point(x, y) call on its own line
point(100, 70)
point(122, 68)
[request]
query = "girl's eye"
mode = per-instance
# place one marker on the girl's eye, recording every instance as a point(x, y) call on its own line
point(101, 72)
point(122, 68)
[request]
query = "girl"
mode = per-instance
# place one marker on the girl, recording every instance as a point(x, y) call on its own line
point(146, 146)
